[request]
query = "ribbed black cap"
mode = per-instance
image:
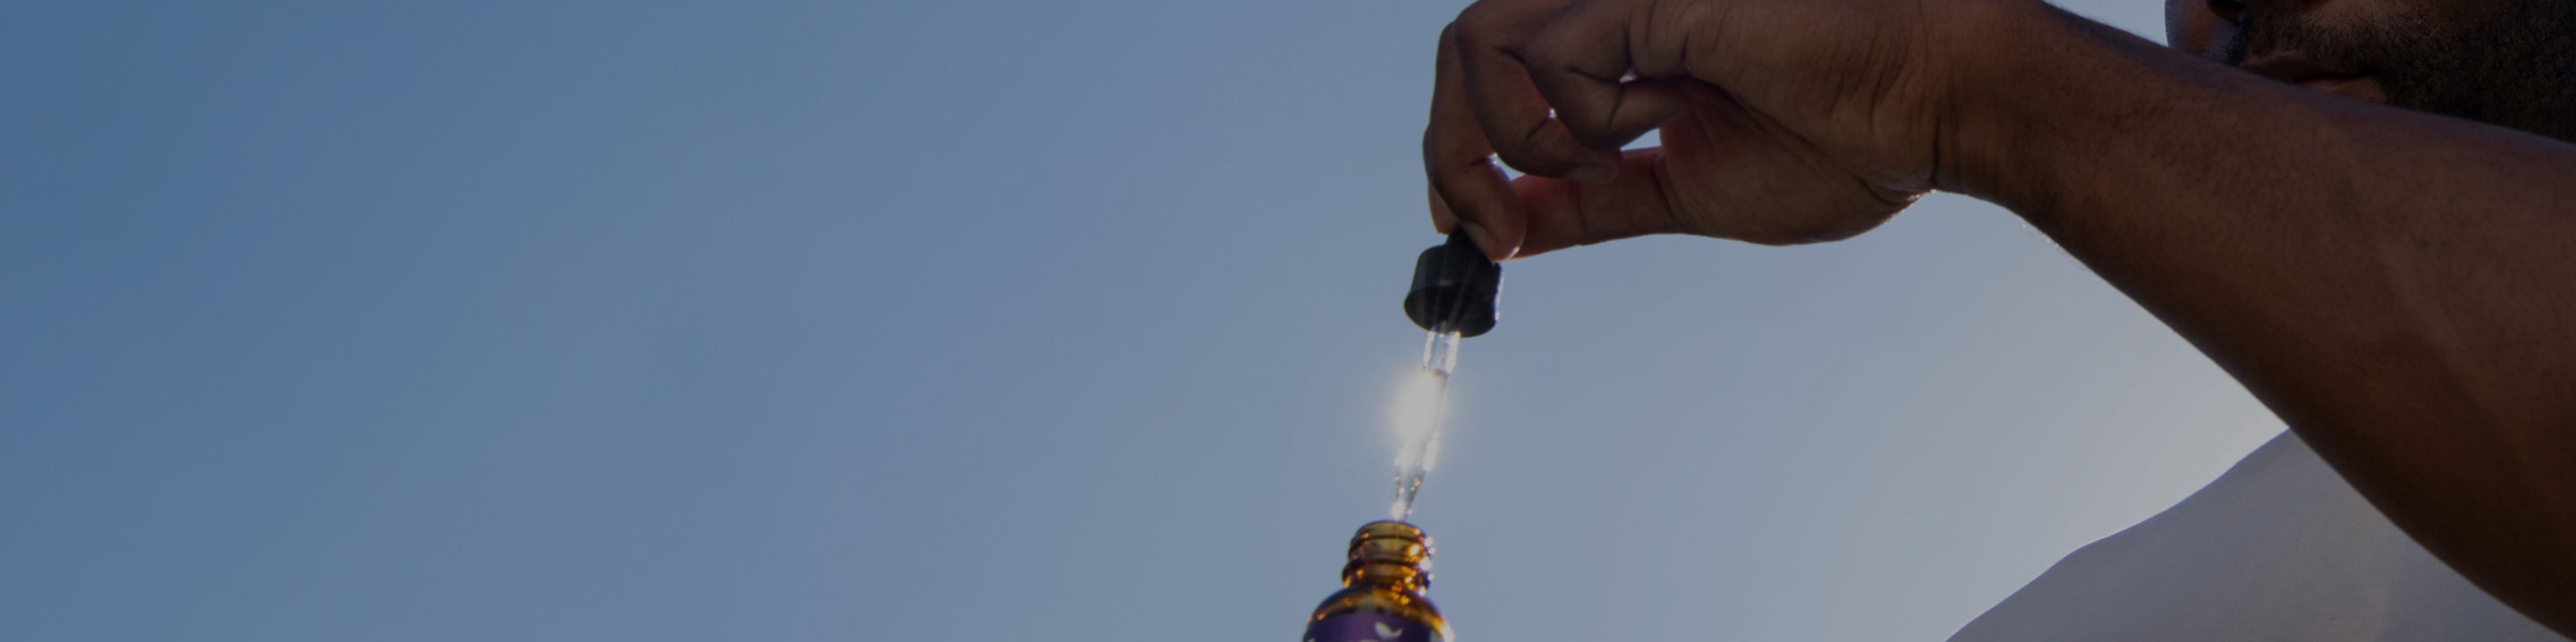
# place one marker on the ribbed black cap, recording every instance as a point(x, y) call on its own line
point(1454, 286)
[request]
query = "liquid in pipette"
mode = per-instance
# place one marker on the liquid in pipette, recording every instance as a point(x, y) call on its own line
point(1419, 414)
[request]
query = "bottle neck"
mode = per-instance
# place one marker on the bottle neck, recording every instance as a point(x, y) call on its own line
point(1390, 554)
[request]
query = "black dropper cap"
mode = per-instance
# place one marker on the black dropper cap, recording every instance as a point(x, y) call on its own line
point(1454, 287)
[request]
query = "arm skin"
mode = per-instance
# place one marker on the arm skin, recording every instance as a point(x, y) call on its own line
point(2400, 288)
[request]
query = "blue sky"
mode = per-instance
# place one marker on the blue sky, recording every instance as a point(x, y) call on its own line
point(961, 320)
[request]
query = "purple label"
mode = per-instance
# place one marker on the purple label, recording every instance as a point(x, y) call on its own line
point(1370, 627)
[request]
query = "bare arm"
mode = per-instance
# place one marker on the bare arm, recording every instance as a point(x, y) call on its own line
point(2400, 288)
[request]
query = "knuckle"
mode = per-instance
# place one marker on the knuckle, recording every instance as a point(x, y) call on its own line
point(1549, 49)
point(1474, 13)
point(1572, 93)
point(1475, 25)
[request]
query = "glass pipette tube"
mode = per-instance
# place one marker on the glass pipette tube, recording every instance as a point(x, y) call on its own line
point(1423, 405)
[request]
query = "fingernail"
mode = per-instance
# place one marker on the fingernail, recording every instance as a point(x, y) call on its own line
point(1484, 241)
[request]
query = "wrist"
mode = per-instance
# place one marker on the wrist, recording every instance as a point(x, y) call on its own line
point(2016, 67)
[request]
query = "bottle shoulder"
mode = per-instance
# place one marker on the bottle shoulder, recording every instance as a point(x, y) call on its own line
point(1381, 601)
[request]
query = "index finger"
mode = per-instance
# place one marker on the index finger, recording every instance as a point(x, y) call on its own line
point(1467, 188)
point(1580, 63)
point(1492, 39)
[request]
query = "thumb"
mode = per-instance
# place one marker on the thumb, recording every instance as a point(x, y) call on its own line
point(1565, 213)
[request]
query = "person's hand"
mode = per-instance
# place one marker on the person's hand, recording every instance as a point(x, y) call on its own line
point(1783, 121)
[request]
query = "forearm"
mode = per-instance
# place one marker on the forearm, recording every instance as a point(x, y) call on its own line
point(2400, 288)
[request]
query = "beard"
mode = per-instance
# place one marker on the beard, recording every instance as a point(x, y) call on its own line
point(2502, 62)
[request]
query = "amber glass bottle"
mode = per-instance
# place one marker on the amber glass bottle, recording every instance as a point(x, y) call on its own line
point(1381, 597)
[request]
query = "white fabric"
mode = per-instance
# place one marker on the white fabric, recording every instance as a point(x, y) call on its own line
point(2279, 549)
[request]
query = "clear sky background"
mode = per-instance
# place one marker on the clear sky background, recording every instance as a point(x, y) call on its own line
point(961, 320)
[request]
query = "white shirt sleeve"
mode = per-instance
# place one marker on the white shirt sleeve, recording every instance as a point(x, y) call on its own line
point(2278, 549)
